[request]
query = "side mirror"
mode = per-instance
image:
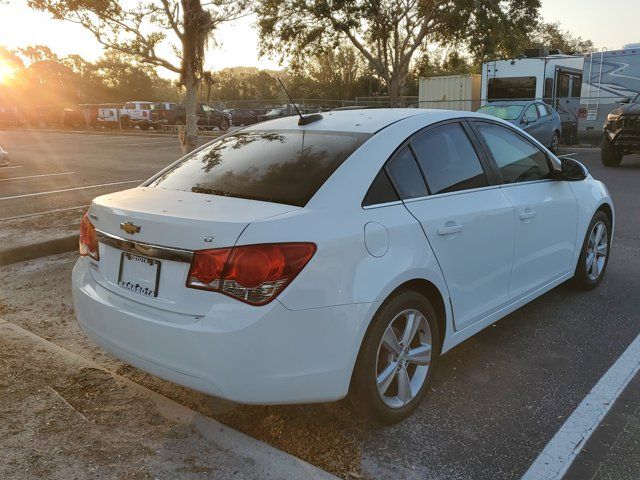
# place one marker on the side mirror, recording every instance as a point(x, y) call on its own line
point(524, 121)
point(625, 100)
point(572, 170)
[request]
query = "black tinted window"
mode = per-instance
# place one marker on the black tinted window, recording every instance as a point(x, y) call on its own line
point(380, 191)
point(518, 159)
point(406, 176)
point(511, 88)
point(273, 166)
point(448, 160)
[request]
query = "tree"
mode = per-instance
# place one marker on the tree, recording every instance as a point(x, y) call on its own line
point(553, 36)
point(139, 28)
point(387, 33)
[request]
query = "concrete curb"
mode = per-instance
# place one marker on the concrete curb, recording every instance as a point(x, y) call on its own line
point(273, 463)
point(40, 249)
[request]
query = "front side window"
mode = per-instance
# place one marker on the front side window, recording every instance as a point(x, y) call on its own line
point(405, 174)
point(145, 106)
point(280, 166)
point(518, 159)
point(448, 159)
point(531, 114)
point(129, 106)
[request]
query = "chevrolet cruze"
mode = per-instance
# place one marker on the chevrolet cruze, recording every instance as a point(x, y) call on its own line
point(304, 260)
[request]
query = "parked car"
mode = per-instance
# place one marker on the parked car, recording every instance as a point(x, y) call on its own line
point(108, 116)
point(73, 118)
point(159, 112)
point(208, 117)
point(136, 114)
point(288, 264)
point(536, 118)
point(4, 157)
point(243, 116)
point(277, 112)
point(621, 132)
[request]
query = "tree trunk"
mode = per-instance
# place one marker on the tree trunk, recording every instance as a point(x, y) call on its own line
point(396, 87)
point(190, 106)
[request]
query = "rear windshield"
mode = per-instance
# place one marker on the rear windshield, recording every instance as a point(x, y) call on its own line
point(505, 112)
point(280, 166)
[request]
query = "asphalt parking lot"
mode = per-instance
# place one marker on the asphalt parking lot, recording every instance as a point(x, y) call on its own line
point(497, 399)
point(60, 170)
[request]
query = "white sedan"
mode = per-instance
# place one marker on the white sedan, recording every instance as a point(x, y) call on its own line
point(290, 263)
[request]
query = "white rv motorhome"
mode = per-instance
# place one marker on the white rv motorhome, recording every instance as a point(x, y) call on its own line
point(555, 79)
point(609, 77)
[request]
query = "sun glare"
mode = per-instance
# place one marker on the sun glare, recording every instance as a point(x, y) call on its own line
point(7, 72)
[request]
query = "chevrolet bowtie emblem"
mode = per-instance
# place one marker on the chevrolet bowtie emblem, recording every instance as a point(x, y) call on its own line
point(130, 228)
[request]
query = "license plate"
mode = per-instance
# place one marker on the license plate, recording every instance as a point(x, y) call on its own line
point(139, 274)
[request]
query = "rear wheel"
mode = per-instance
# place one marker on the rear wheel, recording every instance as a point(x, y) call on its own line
point(396, 360)
point(594, 256)
point(144, 126)
point(610, 155)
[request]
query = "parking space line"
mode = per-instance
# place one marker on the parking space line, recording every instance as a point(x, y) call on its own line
point(556, 458)
point(37, 214)
point(36, 176)
point(8, 168)
point(67, 190)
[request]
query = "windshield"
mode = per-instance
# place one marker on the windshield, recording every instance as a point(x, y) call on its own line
point(275, 111)
point(280, 166)
point(505, 112)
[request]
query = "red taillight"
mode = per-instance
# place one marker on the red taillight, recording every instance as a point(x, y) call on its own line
point(255, 274)
point(582, 112)
point(88, 239)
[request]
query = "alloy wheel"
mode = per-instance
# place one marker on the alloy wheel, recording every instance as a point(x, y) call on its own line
point(597, 249)
point(403, 360)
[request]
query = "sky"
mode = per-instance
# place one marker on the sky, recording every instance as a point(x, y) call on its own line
point(609, 24)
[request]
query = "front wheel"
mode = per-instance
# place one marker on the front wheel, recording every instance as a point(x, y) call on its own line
point(144, 126)
point(397, 358)
point(610, 155)
point(594, 255)
point(555, 142)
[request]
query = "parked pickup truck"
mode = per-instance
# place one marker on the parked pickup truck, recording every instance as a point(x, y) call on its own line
point(208, 117)
point(136, 113)
point(621, 132)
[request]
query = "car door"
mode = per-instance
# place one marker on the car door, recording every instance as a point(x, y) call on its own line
point(467, 220)
point(545, 209)
point(546, 124)
point(532, 123)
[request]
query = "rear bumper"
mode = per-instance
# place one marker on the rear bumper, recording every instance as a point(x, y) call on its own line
point(259, 355)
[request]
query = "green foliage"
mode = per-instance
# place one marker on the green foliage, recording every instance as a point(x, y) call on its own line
point(387, 33)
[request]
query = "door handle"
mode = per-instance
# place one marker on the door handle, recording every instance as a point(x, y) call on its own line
point(450, 228)
point(527, 214)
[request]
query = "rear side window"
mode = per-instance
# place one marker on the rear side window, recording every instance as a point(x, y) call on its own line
point(406, 176)
point(280, 166)
point(518, 159)
point(542, 110)
point(380, 191)
point(448, 159)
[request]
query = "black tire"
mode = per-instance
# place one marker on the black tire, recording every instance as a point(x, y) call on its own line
point(363, 393)
point(582, 278)
point(610, 155)
point(124, 123)
point(224, 125)
point(144, 126)
point(555, 142)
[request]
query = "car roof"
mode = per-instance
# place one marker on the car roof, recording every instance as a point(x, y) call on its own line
point(358, 121)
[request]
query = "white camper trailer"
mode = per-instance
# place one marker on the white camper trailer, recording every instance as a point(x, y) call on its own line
point(553, 78)
point(609, 77)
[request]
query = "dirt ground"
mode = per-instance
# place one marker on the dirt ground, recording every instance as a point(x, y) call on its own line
point(64, 420)
point(24, 231)
point(36, 296)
